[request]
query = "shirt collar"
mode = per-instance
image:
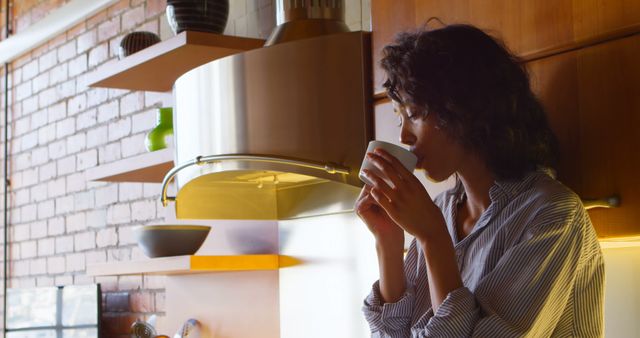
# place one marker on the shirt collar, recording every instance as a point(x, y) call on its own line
point(509, 189)
point(504, 190)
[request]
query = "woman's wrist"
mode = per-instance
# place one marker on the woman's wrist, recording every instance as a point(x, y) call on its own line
point(441, 264)
point(389, 248)
point(392, 279)
point(434, 232)
point(435, 247)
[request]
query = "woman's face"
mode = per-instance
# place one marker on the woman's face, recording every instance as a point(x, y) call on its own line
point(438, 154)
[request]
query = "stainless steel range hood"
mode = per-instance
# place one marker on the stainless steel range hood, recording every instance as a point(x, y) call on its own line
point(273, 133)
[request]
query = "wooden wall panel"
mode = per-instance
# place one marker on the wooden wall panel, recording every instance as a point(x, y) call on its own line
point(555, 82)
point(387, 19)
point(609, 99)
point(594, 17)
point(592, 99)
point(525, 25)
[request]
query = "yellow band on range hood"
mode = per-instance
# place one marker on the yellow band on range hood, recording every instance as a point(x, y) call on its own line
point(283, 130)
point(263, 194)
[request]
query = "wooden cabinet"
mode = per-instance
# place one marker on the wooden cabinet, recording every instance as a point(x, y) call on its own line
point(582, 56)
point(555, 81)
point(526, 26)
point(609, 115)
point(387, 19)
point(591, 96)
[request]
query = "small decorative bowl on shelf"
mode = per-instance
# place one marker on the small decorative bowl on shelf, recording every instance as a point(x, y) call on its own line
point(135, 42)
point(170, 240)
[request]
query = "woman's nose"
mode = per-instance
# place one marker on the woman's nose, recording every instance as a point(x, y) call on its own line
point(406, 136)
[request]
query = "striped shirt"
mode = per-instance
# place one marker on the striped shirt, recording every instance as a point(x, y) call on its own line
point(531, 267)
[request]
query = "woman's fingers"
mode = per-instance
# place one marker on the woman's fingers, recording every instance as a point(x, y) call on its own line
point(364, 192)
point(365, 195)
point(397, 166)
point(383, 201)
point(379, 183)
point(386, 168)
point(381, 192)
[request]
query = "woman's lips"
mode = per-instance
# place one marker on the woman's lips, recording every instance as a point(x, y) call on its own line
point(418, 161)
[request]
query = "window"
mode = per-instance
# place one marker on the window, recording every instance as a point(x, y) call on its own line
point(54, 312)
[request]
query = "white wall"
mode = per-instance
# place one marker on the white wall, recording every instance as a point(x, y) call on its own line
point(322, 297)
point(622, 292)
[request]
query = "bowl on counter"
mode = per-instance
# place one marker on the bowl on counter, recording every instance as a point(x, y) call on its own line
point(170, 240)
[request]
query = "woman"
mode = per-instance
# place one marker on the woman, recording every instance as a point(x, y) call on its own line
point(509, 251)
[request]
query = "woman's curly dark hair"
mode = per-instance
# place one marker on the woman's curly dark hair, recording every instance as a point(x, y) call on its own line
point(479, 92)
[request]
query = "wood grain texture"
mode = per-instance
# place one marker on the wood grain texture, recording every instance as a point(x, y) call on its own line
point(528, 27)
point(555, 82)
point(147, 167)
point(609, 100)
point(578, 44)
point(387, 19)
point(524, 25)
point(592, 100)
point(595, 17)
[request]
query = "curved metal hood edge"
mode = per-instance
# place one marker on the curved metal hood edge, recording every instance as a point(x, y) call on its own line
point(306, 101)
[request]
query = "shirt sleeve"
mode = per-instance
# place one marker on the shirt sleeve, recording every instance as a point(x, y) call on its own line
point(393, 319)
point(524, 295)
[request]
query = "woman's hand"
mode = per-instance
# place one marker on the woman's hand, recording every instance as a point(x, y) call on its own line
point(386, 232)
point(407, 203)
point(389, 245)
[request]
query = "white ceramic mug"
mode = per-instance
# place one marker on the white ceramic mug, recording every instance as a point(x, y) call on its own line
point(407, 158)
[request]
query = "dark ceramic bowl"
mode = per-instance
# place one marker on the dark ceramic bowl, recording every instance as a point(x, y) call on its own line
point(197, 15)
point(170, 240)
point(135, 42)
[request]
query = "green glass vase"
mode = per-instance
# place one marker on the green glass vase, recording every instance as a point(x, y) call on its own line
point(161, 136)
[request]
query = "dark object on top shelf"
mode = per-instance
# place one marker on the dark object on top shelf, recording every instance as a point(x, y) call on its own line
point(136, 41)
point(198, 15)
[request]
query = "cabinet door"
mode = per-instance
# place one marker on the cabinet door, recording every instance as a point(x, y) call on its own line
point(555, 82)
point(388, 17)
point(526, 26)
point(592, 97)
point(609, 101)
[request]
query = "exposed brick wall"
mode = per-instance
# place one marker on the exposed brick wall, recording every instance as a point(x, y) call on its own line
point(59, 221)
point(2, 19)
point(59, 128)
point(27, 12)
